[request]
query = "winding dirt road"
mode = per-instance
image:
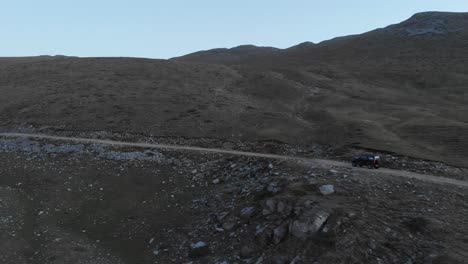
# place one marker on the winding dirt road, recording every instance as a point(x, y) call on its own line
point(331, 163)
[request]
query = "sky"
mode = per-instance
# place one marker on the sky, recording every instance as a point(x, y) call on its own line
point(164, 29)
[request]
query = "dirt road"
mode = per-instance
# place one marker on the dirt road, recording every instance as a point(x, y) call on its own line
point(331, 163)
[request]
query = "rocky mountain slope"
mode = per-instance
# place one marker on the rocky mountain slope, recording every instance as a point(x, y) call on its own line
point(400, 89)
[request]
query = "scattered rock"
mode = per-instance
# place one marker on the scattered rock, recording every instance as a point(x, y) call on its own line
point(229, 225)
point(279, 233)
point(253, 187)
point(284, 208)
point(199, 249)
point(308, 224)
point(351, 214)
point(320, 219)
point(259, 260)
point(299, 229)
point(273, 188)
point(296, 260)
point(221, 216)
point(308, 204)
point(327, 189)
point(247, 212)
point(259, 230)
point(198, 244)
point(281, 207)
point(271, 205)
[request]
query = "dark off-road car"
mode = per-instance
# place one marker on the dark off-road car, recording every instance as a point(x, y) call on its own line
point(370, 161)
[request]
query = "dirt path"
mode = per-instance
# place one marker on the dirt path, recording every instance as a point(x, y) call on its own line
point(332, 163)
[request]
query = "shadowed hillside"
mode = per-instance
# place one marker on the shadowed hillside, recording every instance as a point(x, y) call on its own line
point(402, 88)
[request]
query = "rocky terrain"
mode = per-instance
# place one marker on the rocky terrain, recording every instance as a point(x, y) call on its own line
point(75, 203)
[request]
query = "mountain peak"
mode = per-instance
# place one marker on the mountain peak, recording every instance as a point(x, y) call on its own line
point(438, 14)
point(430, 23)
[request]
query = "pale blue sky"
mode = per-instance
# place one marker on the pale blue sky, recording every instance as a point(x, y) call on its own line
point(163, 29)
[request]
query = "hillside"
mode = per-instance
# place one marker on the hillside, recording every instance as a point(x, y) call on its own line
point(400, 89)
point(224, 55)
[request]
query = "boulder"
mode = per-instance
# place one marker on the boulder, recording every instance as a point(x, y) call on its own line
point(199, 249)
point(308, 224)
point(327, 189)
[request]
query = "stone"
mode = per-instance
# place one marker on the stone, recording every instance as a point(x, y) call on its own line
point(247, 212)
point(284, 208)
point(199, 249)
point(320, 219)
point(327, 189)
point(259, 260)
point(273, 188)
point(351, 214)
point(308, 204)
point(216, 181)
point(279, 233)
point(281, 207)
point(308, 224)
point(228, 225)
point(259, 229)
point(299, 229)
point(271, 205)
point(296, 260)
point(198, 245)
point(221, 216)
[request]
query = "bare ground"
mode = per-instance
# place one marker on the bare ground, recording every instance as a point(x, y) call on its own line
point(400, 173)
point(86, 206)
